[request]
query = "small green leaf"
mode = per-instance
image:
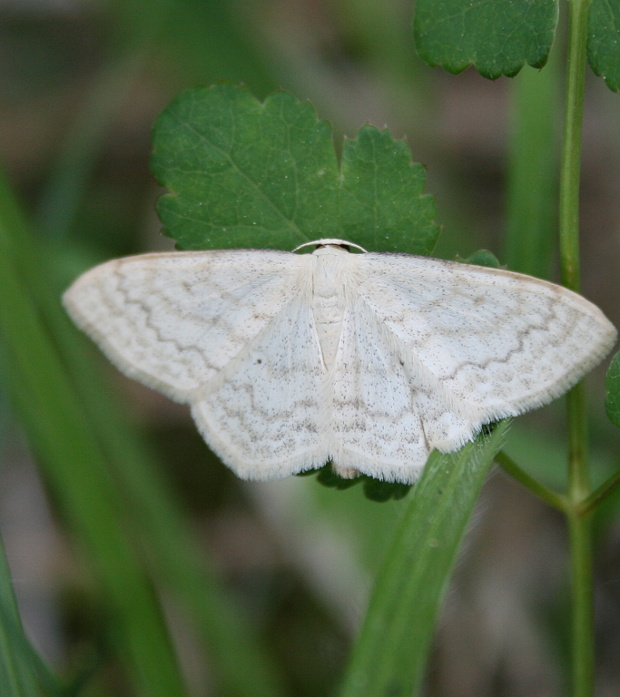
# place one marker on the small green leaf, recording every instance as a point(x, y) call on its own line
point(483, 257)
point(327, 477)
point(612, 385)
point(498, 37)
point(379, 491)
point(248, 174)
point(604, 41)
point(374, 489)
point(389, 657)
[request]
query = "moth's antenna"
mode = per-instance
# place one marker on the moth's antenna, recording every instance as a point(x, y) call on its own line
point(338, 243)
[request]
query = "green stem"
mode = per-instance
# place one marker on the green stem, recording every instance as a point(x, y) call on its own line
point(581, 596)
point(545, 494)
point(571, 147)
point(604, 490)
point(578, 484)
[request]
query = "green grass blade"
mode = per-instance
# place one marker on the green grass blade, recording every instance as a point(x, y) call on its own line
point(612, 387)
point(17, 674)
point(173, 556)
point(389, 657)
point(532, 172)
point(75, 467)
point(181, 565)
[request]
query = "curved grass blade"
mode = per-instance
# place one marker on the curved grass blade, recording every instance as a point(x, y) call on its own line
point(17, 675)
point(389, 657)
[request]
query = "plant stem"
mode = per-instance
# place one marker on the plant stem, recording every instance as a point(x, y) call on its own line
point(606, 489)
point(571, 147)
point(581, 595)
point(550, 497)
point(579, 485)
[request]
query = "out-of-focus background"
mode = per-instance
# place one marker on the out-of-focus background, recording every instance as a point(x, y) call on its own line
point(81, 84)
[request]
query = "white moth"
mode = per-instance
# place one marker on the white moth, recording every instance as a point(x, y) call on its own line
point(370, 361)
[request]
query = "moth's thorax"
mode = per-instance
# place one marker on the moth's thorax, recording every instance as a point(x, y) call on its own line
point(331, 274)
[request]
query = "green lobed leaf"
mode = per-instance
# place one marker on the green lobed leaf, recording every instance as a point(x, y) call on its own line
point(236, 167)
point(381, 195)
point(498, 37)
point(248, 174)
point(612, 385)
point(604, 41)
point(389, 657)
